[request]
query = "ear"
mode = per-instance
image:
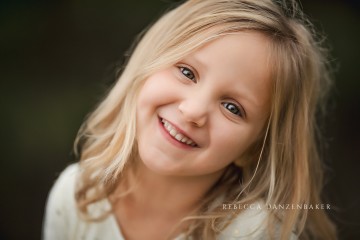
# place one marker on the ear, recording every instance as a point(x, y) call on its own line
point(248, 156)
point(242, 161)
point(238, 163)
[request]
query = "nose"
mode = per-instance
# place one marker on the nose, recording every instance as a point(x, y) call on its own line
point(195, 111)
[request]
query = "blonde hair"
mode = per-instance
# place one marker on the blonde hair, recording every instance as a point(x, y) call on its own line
point(289, 171)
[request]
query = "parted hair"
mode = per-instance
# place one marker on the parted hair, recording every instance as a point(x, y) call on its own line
point(284, 165)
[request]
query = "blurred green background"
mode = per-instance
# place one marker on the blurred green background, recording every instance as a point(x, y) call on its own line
point(57, 58)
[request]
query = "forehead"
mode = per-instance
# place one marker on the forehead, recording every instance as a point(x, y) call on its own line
point(239, 49)
point(241, 61)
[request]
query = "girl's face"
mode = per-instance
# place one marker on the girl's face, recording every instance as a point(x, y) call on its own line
point(199, 115)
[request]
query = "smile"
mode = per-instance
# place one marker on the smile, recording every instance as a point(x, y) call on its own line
point(176, 135)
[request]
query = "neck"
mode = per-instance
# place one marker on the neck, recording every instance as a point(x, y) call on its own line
point(156, 201)
point(174, 195)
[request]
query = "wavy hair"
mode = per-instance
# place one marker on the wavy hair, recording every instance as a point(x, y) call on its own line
point(284, 167)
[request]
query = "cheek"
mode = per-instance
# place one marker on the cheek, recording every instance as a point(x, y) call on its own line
point(157, 90)
point(146, 95)
point(230, 143)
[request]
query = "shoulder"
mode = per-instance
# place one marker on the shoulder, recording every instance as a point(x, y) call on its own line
point(251, 223)
point(62, 219)
point(62, 192)
point(67, 177)
point(60, 211)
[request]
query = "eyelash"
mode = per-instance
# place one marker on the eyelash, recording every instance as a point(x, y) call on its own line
point(236, 109)
point(192, 76)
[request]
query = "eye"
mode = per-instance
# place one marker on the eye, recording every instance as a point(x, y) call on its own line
point(231, 107)
point(188, 73)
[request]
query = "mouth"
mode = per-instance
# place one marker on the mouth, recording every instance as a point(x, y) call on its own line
point(177, 135)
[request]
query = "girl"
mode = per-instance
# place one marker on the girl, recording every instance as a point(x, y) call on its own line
point(209, 133)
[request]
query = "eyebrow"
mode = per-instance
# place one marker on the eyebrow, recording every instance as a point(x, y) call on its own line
point(238, 95)
point(192, 59)
point(247, 97)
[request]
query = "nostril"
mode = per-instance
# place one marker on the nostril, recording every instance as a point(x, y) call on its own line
point(194, 112)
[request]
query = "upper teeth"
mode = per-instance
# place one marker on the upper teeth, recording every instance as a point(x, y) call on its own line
point(178, 136)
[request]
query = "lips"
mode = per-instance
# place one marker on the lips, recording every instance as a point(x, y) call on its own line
point(177, 134)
